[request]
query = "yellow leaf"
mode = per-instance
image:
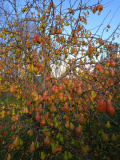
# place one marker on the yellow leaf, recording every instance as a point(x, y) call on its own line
point(8, 112)
point(3, 107)
point(93, 94)
point(23, 72)
point(72, 20)
point(110, 97)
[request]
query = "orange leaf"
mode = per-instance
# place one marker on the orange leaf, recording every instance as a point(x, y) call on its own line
point(59, 148)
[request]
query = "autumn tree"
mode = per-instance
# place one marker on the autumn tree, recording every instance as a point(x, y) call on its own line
point(62, 117)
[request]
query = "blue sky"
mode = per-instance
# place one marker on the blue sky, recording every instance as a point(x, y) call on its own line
point(111, 9)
